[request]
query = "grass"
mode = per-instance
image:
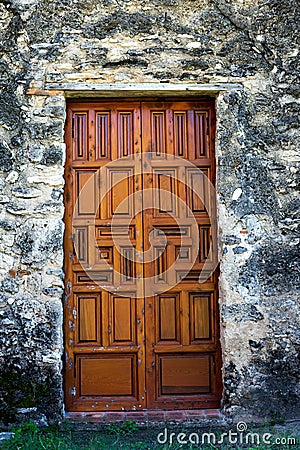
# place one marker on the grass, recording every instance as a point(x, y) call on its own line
point(129, 436)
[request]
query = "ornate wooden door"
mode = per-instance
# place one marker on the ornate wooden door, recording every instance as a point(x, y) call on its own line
point(141, 327)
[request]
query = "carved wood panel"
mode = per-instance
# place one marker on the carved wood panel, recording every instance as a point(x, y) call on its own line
point(141, 331)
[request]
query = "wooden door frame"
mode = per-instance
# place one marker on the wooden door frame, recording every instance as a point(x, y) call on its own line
point(168, 96)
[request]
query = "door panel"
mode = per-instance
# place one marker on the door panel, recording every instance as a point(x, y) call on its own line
point(123, 319)
point(103, 376)
point(88, 325)
point(104, 329)
point(141, 331)
point(184, 375)
point(177, 305)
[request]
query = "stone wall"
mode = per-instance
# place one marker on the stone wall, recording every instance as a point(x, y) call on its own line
point(50, 49)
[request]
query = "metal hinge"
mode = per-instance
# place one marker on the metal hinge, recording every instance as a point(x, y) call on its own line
point(73, 391)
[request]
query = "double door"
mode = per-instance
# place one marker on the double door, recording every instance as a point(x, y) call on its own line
point(141, 316)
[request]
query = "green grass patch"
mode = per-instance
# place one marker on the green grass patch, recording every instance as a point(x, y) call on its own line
point(128, 436)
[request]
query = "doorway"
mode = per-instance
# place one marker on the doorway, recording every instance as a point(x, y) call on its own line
point(141, 305)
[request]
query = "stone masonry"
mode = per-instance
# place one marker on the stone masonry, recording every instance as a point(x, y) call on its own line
point(54, 49)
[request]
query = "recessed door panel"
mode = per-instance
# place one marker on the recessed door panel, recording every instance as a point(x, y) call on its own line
point(184, 375)
point(86, 193)
point(122, 320)
point(88, 307)
point(103, 137)
point(200, 323)
point(107, 376)
point(168, 318)
point(80, 141)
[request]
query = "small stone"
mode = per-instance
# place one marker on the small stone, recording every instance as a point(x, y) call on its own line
point(12, 177)
point(53, 291)
point(230, 240)
point(237, 193)
point(16, 210)
point(5, 436)
point(7, 322)
point(53, 155)
point(35, 154)
point(56, 194)
point(194, 45)
point(26, 410)
point(26, 192)
point(6, 225)
point(27, 316)
point(57, 272)
point(239, 250)
point(4, 199)
point(52, 181)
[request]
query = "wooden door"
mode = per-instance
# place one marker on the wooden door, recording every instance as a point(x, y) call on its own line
point(182, 340)
point(140, 330)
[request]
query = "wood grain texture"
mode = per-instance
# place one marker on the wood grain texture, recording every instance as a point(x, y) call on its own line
point(140, 347)
point(107, 376)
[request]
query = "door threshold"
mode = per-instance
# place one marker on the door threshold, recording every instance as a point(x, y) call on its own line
point(149, 417)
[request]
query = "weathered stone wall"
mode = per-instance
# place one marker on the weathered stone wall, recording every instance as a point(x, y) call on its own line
point(67, 44)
